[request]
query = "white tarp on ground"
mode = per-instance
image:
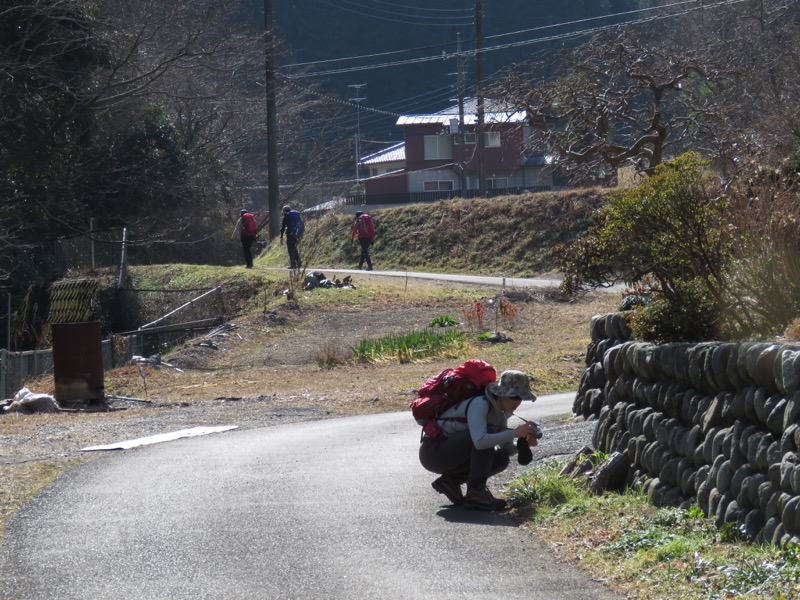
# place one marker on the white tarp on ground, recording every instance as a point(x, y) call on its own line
point(162, 437)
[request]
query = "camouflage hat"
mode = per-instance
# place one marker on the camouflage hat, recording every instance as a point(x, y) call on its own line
point(512, 384)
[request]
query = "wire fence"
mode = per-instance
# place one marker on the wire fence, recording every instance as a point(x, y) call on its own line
point(102, 248)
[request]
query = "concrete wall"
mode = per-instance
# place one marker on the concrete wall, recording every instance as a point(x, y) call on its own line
point(711, 422)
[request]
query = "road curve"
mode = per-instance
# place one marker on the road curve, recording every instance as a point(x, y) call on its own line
point(334, 509)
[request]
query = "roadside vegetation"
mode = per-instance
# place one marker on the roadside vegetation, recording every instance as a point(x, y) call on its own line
point(648, 552)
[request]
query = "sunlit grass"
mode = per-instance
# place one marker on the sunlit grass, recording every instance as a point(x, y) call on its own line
point(651, 552)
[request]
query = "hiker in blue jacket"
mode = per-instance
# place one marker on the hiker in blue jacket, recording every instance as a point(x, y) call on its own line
point(478, 443)
point(294, 227)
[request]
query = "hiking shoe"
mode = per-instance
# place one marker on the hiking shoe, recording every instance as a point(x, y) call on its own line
point(448, 487)
point(482, 499)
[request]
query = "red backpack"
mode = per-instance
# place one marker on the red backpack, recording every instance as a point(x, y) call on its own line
point(366, 228)
point(249, 226)
point(447, 389)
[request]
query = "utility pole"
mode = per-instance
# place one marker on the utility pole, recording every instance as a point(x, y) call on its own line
point(479, 98)
point(273, 189)
point(358, 99)
point(461, 131)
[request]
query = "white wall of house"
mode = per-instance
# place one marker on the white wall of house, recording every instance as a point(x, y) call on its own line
point(446, 179)
point(427, 181)
point(383, 168)
point(536, 176)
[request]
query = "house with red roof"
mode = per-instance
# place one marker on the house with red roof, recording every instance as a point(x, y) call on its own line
point(434, 162)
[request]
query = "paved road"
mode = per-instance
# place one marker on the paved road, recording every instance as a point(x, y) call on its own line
point(510, 282)
point(335, 509)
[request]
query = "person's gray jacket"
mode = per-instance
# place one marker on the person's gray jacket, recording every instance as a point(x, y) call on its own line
point(487, 423)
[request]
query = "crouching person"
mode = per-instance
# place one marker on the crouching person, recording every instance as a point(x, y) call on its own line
point(477, 442)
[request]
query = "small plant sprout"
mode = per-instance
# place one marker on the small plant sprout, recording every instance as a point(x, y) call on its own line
point(443, 321)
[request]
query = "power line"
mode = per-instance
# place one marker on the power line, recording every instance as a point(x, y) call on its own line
point(424, 8)
point(341, 5)
point(511, 33)
point(466, 14)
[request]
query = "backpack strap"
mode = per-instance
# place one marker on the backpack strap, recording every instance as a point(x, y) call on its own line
point(459, 419)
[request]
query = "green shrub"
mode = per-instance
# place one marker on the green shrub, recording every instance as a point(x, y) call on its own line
point(665, 238)
point(693, 318)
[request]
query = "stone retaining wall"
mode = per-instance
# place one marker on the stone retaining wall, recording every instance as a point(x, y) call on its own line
point(712, 422)
point(606, 331)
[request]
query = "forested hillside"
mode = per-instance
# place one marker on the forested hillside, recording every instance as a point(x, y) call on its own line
point(322, 30)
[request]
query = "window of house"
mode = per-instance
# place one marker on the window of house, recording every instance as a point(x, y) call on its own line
point(438, 147)
point(438, 186)
point(497, 183)
point(492, 138)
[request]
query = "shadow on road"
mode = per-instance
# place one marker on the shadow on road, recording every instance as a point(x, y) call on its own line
point(457, 514)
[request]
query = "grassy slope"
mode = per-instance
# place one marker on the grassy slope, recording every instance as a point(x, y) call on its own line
point(510, 235)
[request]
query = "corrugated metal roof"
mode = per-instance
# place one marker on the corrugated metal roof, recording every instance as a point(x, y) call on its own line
point(395, 153)
point(494, 112)
point(469, 119)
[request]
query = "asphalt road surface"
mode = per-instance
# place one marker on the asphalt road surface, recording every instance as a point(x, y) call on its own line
point(481, 280)
point(334, 509)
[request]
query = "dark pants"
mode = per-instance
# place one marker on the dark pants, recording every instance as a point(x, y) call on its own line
point(458, 458)
point(294, 253)
point(365, 244)
point(247, 248)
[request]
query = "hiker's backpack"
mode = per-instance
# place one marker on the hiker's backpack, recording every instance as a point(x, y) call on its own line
point(366, 228)
point(447, 389)
point(297, 227)
point(249, 225)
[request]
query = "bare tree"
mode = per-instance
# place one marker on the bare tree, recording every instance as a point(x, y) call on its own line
point(138, 113)
point(615, 100)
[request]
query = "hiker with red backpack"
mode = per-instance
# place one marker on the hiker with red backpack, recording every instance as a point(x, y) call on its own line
point(247, 228)
point(364, 230)
point(471, 441)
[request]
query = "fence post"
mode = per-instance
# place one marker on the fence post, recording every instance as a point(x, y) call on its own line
point(3, 373)
point(91, 239)
point(123, 259)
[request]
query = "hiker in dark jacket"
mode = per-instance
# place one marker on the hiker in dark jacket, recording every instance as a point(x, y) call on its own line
point(293, 227)
point(477, 442)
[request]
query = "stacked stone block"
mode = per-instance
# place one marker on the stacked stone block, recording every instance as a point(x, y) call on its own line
point(606, 331)
point(715, 423)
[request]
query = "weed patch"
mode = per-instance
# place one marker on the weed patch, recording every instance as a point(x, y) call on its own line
point(411, 346)
point(651, 552)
